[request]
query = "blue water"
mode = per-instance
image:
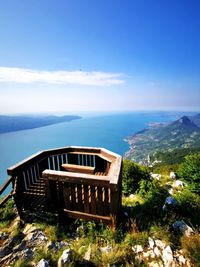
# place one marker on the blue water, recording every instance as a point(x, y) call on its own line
point(106, 131)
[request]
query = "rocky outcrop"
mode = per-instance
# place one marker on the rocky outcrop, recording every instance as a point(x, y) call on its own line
point(159, 253)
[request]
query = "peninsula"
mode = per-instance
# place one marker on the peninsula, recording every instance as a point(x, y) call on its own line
point(183, 133)
point(18, 123)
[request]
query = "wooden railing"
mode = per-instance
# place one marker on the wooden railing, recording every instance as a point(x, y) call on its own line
point(91, 189)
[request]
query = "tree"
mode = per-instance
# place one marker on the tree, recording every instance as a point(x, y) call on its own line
point(190, 172)
point(132, 174)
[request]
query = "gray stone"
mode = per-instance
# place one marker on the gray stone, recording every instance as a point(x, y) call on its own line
point(19, 247)
point(87, 254)
point(65, 258)
point(167, 257)
point(3, 236)
point(157, 252)
point(149, 254)
point(151, 242)
point(137, 249)
point(155, 264)
point(182, 227)
point(156, 176)
point(106, 249)
point(172, 175)
point(36, 237)
point(29, 228)
point(160, 244)
point(4, 251)
point(178, 183)
point(182, 260)
point(28, 253)
point(43, 263)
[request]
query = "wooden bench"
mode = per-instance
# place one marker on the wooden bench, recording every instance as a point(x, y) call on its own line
point(78, 168)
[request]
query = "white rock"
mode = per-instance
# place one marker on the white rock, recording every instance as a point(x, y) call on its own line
point(29, 228)
point(155, 264)
point(171, 191)
point(43, 263)
point(149, 254)
point(178, 183)
point(160, 243)
point(181, 260)
point(155, 176)
point(151, 242)
point(137, 249)
point(183, 227)
point(87, 254)
point(167, 257)
point(157, 252)
point(172, 175)
point(106, 249)
point(65, 258)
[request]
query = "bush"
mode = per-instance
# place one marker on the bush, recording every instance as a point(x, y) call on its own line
point(190, 206)
point(190, 172)
point(132, 174)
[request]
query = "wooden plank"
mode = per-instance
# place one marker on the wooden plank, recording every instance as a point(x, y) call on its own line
point(60, 195)
point(93, 199)
point(73, 197)
point(78, 168)
point(106, 210)
point(87, 216)
point(67, 195)
point(6, 184)
point(86, 199)
point(80, 199)
point(77, 178)
point(99, 201)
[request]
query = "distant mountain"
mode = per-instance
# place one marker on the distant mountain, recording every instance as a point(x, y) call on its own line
point(195, 119)
point(18, 123)
point(182, 133)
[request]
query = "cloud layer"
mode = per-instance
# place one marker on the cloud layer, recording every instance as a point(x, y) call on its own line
point(27, 76)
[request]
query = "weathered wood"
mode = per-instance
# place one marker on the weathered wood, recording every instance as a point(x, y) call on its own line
point(93, 199)
point(99, 201)
point(91, 187)
point(78, 168)
point(88, 216)
point(6, 184)
point(80, 197)
point(73, 197)
point(67, 195)
point(86, 199)
point(76, 178)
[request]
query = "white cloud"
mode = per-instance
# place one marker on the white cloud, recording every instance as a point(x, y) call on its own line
point(27, 76)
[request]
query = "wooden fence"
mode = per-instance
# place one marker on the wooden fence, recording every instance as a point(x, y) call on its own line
point(80, 182)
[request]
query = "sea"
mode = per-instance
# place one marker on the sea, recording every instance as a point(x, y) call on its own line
point(95, 130)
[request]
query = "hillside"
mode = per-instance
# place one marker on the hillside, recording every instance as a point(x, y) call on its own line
point(18, 123)
point(181, 134)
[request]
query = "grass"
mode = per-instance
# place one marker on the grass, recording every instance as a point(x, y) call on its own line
point(191, 247)
point(145, 220)
point(7, 214)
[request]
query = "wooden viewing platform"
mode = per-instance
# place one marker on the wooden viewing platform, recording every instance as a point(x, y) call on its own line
point(80, 182)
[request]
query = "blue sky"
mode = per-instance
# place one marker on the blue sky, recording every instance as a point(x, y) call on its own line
point(103, 55)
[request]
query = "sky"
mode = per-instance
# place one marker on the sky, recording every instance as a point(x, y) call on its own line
point(70, 56)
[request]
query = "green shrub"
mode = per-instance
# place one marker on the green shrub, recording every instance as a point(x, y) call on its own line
point(189, 203)
point(190, 172)
point(132, 174)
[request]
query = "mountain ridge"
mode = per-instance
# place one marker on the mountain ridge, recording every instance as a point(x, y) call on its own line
point(182, 133)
